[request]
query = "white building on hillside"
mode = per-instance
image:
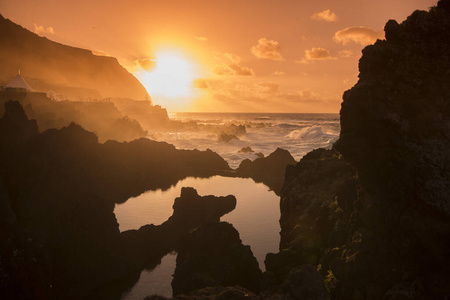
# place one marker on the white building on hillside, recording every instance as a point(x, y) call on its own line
point(19, 83)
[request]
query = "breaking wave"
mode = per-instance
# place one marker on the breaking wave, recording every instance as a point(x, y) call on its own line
point(309, 133)
point(297, 133)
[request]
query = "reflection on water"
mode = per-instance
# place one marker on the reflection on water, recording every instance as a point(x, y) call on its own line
point(154, 282)
point(256, 215)
point(256, 218)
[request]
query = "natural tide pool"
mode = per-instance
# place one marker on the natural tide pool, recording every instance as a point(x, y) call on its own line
point(256, 217)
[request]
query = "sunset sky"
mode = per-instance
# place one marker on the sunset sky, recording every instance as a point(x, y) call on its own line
point(246, 55)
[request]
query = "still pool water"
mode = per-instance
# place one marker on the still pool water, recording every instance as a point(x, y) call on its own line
point(256, 217)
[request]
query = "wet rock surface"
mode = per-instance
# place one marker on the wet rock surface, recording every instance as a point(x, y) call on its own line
point(270, 170)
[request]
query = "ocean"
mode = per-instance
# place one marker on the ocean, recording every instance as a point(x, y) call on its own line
point(257, 213)
point(264, 133)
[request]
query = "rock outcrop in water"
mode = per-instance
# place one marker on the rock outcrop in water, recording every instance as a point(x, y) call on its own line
point(59, 237)
point(270, 170)
point(191, 210)
point(212, 256)
point(150, 243)
point(373, 213)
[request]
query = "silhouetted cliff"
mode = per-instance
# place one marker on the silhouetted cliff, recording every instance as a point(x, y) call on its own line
point(374, 213)
point(70, 71)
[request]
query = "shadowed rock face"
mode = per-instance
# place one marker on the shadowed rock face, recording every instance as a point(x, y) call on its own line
point(374, 215)
point(395, 130)
point(60, 238)
point(214, 293)
point(214, 256)
point(395, 121)
point(190, 208)
point(269, 170)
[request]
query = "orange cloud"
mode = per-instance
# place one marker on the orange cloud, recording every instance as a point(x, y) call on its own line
point(41, 30)
point(267, 49)
point(325, 15)
point(232, 70)
point(358, 34)
point(279, 73)
point(315, 54)
point(345, 53)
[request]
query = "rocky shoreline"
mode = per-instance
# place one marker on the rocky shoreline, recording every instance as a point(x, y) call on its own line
point(368, 219)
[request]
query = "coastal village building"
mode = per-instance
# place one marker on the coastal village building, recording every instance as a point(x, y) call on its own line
point(19, 83)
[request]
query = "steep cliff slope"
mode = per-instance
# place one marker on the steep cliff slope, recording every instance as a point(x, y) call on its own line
point(374, 213)
point(48, 65)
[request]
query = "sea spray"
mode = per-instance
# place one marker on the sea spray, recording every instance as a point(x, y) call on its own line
point(264, 133)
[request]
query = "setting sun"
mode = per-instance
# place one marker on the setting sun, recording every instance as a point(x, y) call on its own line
point(171, 77)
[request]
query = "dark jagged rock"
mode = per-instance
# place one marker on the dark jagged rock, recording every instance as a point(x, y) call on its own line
point(214, 256)
point(214, 293)
point(395, 131)
point(405, 111)
point(376, 220)
point(190, 208)
point(150, 243)
point(303, 282)
point(270, 170)
point(259, 155)
point(226, 138)
point(316, 203)
point(237, 130)
point(60, 238)
point(306, 203)
point(219, 293)
point(15, 128)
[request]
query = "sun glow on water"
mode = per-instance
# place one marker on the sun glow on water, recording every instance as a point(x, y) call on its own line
point(171, 77)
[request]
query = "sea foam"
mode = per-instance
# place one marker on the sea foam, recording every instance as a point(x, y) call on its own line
point(307, 133)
